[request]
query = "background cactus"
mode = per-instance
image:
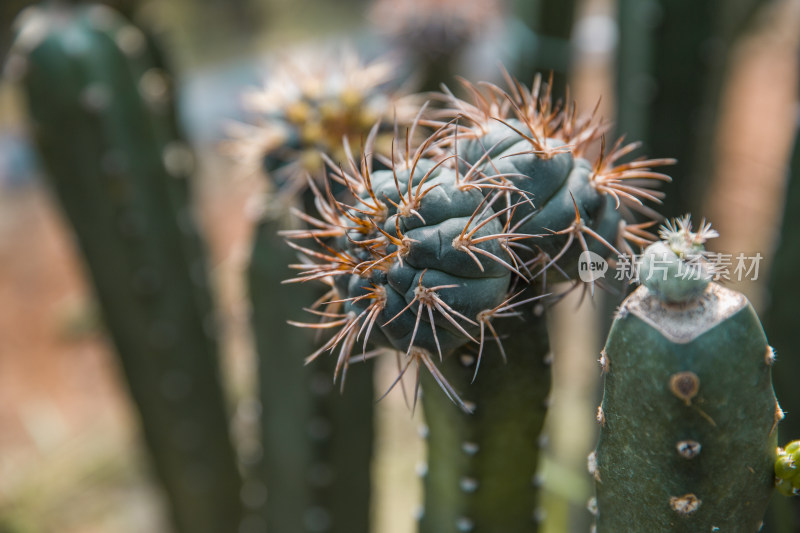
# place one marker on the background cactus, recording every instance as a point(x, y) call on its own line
point(311, 101)
point(672, 60)
point(434, 36)
point(102, 116)
point(547, 44)
point(317, 443)
point(685, 363)
point(457, 234)
point(781, 327)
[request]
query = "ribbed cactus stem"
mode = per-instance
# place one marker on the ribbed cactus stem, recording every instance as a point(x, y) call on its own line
point(317, 441)
point(688, 418)
point(481, 467)
point(100, 114)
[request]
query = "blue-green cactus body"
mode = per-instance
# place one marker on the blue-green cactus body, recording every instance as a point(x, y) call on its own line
point(105, 141)
point(689, 418)
point(429, 260)
point(549, 190)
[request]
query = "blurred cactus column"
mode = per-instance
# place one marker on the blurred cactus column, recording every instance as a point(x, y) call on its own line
point(102, 115)
point(780, 322)
point(435, 36)
point(671, 63)
point(317, 440)
point(544, 40)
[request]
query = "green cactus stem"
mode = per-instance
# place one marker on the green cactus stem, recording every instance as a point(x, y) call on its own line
point(100, 112)
point(672, 59)
point(481, 473)
point(689, 418)
point(548, 46)
point(317, 442)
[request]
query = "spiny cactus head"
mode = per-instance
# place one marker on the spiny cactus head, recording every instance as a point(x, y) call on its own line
point(455, 234)
point(684, 242)
point(675, 269)
point(535, 150)
point(787, 469)
point(311, 102)
point(418, 262)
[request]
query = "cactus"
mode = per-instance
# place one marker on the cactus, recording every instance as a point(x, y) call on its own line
point(482, 473)
point(440, 259)
point(101, 117)
point(781, 327)
point(435, 35)
point(317, 443)
point(787, 469)
point(311, 101)
point(547, 45)
point(672, 60)
point(688, 418)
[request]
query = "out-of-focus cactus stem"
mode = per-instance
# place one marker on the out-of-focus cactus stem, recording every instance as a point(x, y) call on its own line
point(102, 115)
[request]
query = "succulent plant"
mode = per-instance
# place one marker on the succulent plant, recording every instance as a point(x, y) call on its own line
point(435, 248)
point(311, 101)
point(787, 469)
point(317, 444)
point(689, 418)
point(102, 115)
point(434, 35)
point(314, 108)
point(444, 252)
point(670, 81)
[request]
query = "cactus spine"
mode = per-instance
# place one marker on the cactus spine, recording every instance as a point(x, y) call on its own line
point(100, 115)
point(688, 418)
